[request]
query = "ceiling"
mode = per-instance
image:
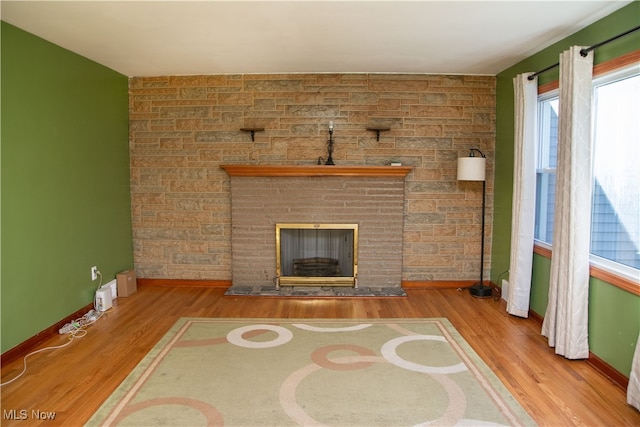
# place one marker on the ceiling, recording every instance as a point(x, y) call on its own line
point(150, 38)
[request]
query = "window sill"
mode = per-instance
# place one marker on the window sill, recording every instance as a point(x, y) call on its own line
point(597, 272)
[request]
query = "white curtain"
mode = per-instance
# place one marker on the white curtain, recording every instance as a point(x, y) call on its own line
point(633, 390)
point(566, 319)
point(524, 194)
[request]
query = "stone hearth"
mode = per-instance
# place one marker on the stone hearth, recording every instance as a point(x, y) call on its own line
point(315, 291)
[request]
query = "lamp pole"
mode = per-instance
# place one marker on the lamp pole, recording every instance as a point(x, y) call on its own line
point(481, 291)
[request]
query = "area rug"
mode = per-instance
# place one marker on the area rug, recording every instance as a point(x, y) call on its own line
point(311, 372)
point(315, 291)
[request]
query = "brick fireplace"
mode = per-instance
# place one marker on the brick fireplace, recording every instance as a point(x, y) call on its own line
point(370, 196)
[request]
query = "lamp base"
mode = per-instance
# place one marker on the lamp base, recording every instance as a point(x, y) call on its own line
point(480, 291)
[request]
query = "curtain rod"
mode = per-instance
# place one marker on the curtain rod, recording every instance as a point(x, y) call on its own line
point(585, 51)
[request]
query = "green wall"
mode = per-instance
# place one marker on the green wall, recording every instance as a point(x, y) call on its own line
point(614, 314)
point(64, 180)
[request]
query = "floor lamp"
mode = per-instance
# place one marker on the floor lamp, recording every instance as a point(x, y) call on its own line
point(473, 168)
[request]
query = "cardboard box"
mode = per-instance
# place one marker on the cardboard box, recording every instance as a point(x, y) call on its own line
point(126, 283)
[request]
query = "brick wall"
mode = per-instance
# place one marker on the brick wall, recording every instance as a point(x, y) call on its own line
point(183, 128)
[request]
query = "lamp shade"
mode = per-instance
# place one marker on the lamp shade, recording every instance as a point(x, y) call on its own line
point(471, 168)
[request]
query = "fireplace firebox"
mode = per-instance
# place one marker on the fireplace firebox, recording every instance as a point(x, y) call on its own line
point(316, 255)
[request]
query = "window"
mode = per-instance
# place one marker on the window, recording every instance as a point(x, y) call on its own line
point(546, 166)
point(615, 215)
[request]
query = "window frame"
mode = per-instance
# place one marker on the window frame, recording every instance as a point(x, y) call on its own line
point(616, 274)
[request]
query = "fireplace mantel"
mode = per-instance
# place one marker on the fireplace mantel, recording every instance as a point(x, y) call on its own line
point(316, 170)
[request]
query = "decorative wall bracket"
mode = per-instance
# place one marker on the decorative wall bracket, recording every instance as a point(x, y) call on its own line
point(253, 131)
point(377, 130)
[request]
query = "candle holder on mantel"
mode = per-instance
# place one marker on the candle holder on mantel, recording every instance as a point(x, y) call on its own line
point(329, 161)
point(378, 129)
point(253, 131)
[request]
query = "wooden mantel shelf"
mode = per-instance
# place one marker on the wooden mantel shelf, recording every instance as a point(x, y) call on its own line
point(315, 170)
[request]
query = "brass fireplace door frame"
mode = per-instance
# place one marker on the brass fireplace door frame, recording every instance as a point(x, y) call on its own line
point(321, 280)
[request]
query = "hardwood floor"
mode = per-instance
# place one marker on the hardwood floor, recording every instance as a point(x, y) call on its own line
point(73, 381)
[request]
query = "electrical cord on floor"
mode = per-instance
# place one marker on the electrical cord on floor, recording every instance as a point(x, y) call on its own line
point(74, 329)
point(496, 291)
point(77, 333)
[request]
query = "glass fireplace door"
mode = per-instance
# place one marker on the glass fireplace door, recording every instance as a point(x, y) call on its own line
point(316, 254)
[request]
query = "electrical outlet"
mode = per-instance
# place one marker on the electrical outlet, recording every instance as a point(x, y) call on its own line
point(94, 273)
